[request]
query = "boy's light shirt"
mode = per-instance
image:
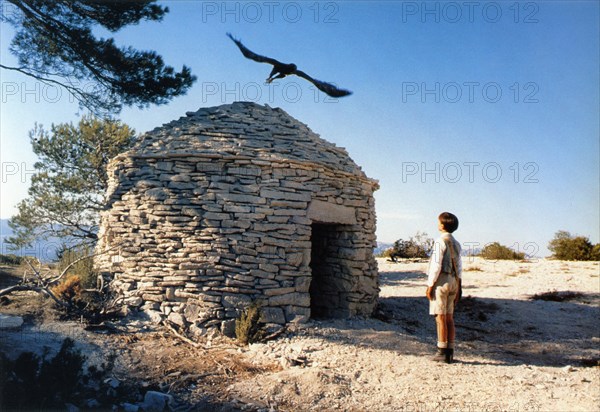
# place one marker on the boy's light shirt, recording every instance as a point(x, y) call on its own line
point(437, 255)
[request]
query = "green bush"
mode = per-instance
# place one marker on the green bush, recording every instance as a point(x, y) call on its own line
point(247, 327)
point(31, 382)
point(40, 383)
point(84, 269)
point(496, 251)
point(565, 246)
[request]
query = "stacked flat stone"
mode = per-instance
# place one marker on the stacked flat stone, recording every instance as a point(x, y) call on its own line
point(230, 205)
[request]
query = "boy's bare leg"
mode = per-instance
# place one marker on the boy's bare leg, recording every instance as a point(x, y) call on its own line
point(451, 334)
point(442, 329)
point(451, 329)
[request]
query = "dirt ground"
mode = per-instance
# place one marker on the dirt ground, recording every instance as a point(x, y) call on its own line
point(519, 348)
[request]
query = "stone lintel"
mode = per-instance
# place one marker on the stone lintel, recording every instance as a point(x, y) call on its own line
point(324, 212)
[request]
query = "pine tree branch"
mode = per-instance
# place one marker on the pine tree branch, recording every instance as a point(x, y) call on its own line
point(88, 100)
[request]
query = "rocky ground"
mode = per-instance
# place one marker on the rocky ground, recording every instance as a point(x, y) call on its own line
point(528, 340)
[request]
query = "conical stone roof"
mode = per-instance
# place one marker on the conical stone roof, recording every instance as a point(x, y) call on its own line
point(243, 129)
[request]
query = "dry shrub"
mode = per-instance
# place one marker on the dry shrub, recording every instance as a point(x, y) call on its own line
point(69, 289)
point(473, 269)
point(92, 305)
point(521, 271)
point(418, 246)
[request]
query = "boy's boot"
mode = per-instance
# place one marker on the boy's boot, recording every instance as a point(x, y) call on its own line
point(449, 355)
point(440, 355)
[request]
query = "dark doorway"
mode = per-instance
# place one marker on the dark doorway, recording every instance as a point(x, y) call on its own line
point(328, 285)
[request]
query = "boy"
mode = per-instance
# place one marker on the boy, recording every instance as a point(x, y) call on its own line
point(444, 285)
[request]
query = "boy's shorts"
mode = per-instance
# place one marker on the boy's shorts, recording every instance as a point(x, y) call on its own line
point(445, 289)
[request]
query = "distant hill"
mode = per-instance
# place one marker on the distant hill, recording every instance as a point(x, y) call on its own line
point(4, 233)
point(381, 246)
point(43, 250)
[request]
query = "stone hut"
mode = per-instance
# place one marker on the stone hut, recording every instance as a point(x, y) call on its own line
point(235, 204)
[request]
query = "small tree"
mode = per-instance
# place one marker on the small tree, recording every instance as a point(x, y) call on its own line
point(565, 246)
point(56, 43)
point(67, 191)
point(496, 251)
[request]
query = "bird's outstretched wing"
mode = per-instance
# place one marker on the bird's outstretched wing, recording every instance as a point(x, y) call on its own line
point(327, 88)
point(251, 55)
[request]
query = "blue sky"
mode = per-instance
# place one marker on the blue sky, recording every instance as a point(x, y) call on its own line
point(489, 110)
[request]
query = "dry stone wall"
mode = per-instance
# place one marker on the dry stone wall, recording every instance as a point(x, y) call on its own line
point(236, 204)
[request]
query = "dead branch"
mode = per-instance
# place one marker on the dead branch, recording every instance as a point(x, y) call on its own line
point(171, 330)
point(174, 332)
point(14, 288)
point(34, 288)
point(43, 286)
point(70, 265)
point(41, 283)
point(274, 335)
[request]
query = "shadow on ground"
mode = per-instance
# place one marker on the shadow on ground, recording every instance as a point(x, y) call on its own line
point(501, 331)
point(402, 278)
point(509, 331)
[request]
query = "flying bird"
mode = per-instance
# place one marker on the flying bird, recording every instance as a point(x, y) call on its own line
point(281, 70)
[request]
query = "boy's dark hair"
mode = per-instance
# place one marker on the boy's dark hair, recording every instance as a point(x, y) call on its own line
point(449, 221)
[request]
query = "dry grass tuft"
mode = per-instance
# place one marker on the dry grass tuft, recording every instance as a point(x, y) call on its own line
point(69, 289)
